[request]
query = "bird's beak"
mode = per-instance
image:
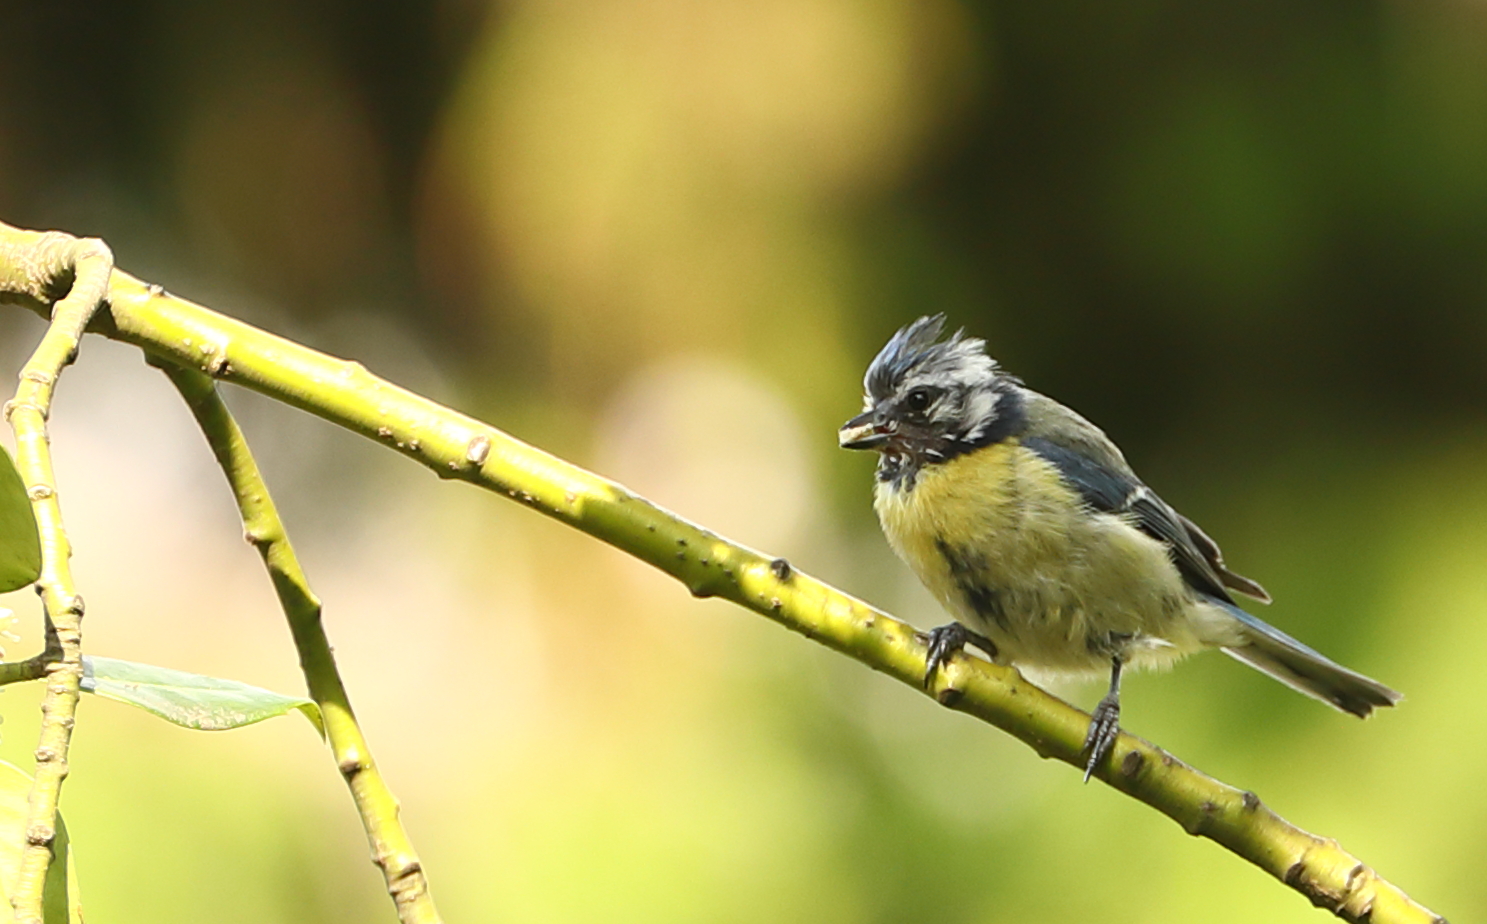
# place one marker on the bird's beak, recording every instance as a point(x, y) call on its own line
point(862, 432)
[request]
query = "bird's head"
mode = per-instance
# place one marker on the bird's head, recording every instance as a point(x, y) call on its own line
point(928, 399)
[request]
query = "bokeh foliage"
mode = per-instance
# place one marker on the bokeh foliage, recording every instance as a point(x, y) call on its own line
point(663, 237)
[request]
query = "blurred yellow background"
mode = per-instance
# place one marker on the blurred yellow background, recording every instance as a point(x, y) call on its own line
point(663, 238)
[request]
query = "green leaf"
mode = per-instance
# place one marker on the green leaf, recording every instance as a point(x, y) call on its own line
point(60, 901)
point(20, 549)
point(190, 700)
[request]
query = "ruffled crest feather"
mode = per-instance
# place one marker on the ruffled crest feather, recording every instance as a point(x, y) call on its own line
point(917, 350)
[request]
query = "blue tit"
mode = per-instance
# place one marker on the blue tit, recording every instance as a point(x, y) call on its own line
point(1027, 524)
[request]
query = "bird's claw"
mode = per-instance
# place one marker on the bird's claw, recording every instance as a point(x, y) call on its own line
point(945, 641)
point(1104, 728)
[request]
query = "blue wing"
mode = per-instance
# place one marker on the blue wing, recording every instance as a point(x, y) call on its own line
point(1112, 490)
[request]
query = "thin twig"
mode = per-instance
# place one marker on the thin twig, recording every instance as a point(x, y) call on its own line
point(45, 259)
point(456, 446)
point(32, 668)
point(392, 851)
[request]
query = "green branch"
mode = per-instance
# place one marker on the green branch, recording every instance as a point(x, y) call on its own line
point(392, 851)
point(456, 446)
point(39, 261)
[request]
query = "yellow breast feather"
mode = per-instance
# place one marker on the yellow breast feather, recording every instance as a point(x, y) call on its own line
point(1012, 552)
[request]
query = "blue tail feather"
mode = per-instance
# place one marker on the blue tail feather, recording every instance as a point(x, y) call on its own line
point(1303, 668)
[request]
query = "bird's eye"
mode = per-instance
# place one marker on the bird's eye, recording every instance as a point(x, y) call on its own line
point(919, 400)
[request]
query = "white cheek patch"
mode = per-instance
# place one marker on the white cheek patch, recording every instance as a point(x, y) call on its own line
point(980, 412)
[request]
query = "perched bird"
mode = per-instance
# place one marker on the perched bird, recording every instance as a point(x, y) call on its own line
point(1025, 522)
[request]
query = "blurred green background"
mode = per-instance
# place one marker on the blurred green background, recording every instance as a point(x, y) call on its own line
point(663, 238)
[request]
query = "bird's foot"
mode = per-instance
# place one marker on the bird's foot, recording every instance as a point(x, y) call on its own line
point(946, 641)
point(1104, 728)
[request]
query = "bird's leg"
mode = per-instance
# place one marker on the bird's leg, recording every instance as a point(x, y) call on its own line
point(945, 641)
point(1104, 722)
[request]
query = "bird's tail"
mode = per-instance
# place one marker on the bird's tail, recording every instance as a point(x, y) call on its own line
point(1301, 668)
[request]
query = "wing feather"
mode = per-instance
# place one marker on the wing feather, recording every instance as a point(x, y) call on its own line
point(1110, 486)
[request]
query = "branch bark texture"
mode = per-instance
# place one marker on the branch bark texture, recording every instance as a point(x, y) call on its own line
point(45, 260)
point(392, 850)
point(457, 446)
